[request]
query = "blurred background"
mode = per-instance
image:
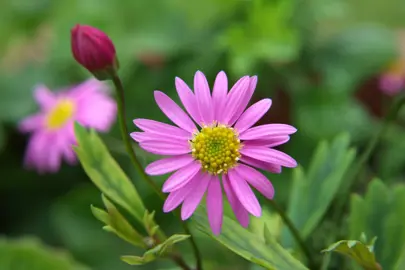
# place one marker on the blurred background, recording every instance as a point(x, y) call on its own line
point(321, 62)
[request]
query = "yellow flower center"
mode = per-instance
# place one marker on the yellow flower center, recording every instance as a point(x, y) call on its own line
point(217, 148)
point(60, 114)
point(397, 68)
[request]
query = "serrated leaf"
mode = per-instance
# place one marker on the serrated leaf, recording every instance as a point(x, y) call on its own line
point(105, 172)
point(29, 253)
point(249, 245)
point(313, 192)
point(356, 250)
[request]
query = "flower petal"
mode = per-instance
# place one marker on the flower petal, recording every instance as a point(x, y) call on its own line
point(271, 142)
point(274, 168)
point(268, 155)
point(174, 112)
point(234, 99)
point(31, 123)
point(195, 196)
point(265, 131)
point(245, 194)
point(188, 99)
point(162, 129)
point(219, 95)
point(256, 179)
point(168, 165)
point(181, 177)
point(203, 97)
point(247, 95)
point(176, 197)
point(45, 98)
point(252, 115)
point(242, 215)
point(141, 137)
point(214, 205)
point(165, 148)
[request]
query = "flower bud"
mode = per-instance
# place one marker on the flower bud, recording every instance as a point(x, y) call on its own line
point(94, 50)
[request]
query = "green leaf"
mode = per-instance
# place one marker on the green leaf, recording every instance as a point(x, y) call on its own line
point(248, 245)
point(381, 213)
point(155, 252)
point(29, 253)
point(358, 251)
point(117, 224)
point(105, 172)
point(148, 222)
point(313, 192)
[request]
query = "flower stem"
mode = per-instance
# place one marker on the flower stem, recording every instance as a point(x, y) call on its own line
point(124, 133)
point(294, 231)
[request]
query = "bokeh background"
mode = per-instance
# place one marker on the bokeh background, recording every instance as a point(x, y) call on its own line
point(319, 60)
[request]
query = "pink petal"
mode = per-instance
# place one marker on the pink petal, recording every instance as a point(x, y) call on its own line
point(214, 205)
point(162, 129)
point(247, 95)
point(195, 196)
point(176, 197)
point(234, 99)
point(219, 95)
point(256, 179)
point(174, 112)
point(252, 115)
point(265, 131)
point(241, 213)
point(31, 123)
point(188, 99)
point(45, 98)
point(203, 96)
point(391, 84)
point(274, 168)
point(165, 148)
point(146, 136)
point(271, 142)
point(181, 177)
point(167, 165)
point(245, 194)
point(268, 155)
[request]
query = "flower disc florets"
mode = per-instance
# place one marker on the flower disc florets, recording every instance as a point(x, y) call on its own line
point(217, 148)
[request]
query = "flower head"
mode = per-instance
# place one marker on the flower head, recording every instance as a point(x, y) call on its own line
point(52, 128)
point(219, 154)
point(393, 80)
point(94, 50)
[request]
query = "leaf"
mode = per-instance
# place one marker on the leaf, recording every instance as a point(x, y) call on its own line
point(358, 251)
point(148, 222)
point(313, 192)
point(248, 245)
point(29, 253)
point(117, 224)
point(105, 172)
point(156, 251)
point(381, 213)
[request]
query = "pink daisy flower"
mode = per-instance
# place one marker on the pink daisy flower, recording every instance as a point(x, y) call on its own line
point(393, 80)
point(219, 154)
point(52, 128)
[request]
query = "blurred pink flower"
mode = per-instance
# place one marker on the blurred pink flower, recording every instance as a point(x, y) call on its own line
point(393, 80)
point(219, 154)
point(52, 128)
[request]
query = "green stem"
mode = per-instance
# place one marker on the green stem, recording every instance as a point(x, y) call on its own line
point(294, 231)
point(125, 135)
point(124, 132)
point(355, 172)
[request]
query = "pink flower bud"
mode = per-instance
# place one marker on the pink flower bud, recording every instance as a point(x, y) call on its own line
point(94, 50)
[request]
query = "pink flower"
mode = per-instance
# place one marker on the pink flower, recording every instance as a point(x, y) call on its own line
point(52, 132)
point(220, 153)
point(393, 80)
point(94, 50)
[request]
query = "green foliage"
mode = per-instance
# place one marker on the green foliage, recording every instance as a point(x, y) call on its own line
point(29, 253)
point(264, 251)
point(360, 252)
point(325, 175)
point(381, 213)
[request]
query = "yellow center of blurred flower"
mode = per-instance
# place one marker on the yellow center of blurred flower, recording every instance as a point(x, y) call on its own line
point(60, 114)
point(397, 68)
point(217, 148)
